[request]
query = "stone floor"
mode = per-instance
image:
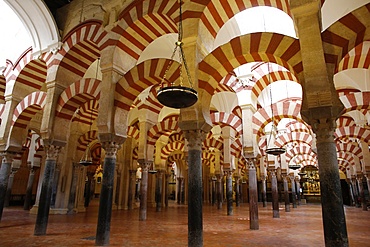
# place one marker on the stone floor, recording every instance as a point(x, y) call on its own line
point(300, 227)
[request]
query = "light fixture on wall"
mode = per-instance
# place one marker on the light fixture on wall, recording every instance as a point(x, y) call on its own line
point(177, 96)
point(271, 147)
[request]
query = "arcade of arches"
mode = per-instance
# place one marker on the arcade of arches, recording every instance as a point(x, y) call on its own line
point(285, 74)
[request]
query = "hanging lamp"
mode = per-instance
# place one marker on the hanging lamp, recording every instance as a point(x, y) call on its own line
point(271, 148)
point(177, 96)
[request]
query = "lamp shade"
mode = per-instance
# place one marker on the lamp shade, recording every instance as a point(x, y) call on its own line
point(177, 96)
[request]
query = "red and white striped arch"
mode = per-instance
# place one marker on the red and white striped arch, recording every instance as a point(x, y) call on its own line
point(356, 101)
point(175, 157)
point(176, 137)
point(151, 103)
point(236, 148)
point(282, 109)
point(218, 12)
point(305, 157)
point(269, 78)
point(352, 132)
point(133, 132)
point(145, 74)
point(303, 148)
point(209, 156)
point(249, 48)
point(226, 119)
point(213, 143)
point(26, 72)
point(171, 147)
point(345, 34)
point(139, 34)
point(345, 121)
point(76, 95)
point(27, 108)
point(166, 126)
point(81, 47)
point(358, 57)
point(2, 88)
point(296, 126)
point(350, 147)
point(298, 137)
point(86, 138)
point(346, 156)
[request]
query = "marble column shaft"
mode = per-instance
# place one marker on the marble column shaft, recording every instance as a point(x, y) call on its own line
point(275, 195)
point(237, 191)
point(73, 190)
point(264, 191)
point(362, 192)
point(229, 192)
point(46, 190)
point(131, 189)
point(195, 190)
point(253, 197)
point(294, 195)
point(28, 198)
point(8, 194)
point(286, 194)
point(106, 194)
point(158, 191)
point(219, 191)
point(4, 176)
point(144, 190)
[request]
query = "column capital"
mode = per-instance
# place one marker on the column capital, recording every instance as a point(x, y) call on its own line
point(7, 157)
point(195, 138)
point(145, 164)
point(110, 149)
point(324, 129)
point(52, 152)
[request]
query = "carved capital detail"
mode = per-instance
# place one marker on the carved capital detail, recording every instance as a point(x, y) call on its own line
point(195, 139)
point(324, 129)
point(110, 149)
point(52, 152)
point(7, 157)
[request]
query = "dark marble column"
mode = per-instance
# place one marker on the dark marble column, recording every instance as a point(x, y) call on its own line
point(166, 189)
point(73, 189)
point(298, 190)
point(253, 195)
point(179, 181)
point(118, 186)
point(335, 230)
point(4, 177)
point(52, 153)
point(275, 194)
point(264, 195)
point(286, 193)
point(348, 180)
point(229, 192)
point(131, 189)
point(10, 185)
point(106, 194)
point(55, 185)
point(28, 198)
point(195, 210)
point(182, 193)
point(355, 191)
point(361, 192)
point(237, 191)
point(367, 177)
point(214, 179)
point(158, 190)
point(144, 189)
point(294, 195)
point(219, 191)
point(90, 178)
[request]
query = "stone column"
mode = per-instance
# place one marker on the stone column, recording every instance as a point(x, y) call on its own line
point(28, 199)
point(214, 179)
point(355, 191)
point(275, 194)
point(286, 193)
point(368, 182)
point(73, 190)
point(145, 165)
point(8, 195)
point(179, 179)
point(294, 195)
point(219, 191)
point(4, 177)
point(195, 190)
point(335, 230)
point(298, 186)
point(182, 191)
point(264, 195)
point(90, 178)
point(106, 194)
point(52, 153)
point(348, 180)
point(118, 186)
point(131, 189)
point(253, 195)
point(361, 191)
point(237, 191)
point(166, 189)
point(158, 190)
point(229, 192)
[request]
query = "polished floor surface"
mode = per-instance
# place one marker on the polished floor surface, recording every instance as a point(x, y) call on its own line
point(302, 226)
